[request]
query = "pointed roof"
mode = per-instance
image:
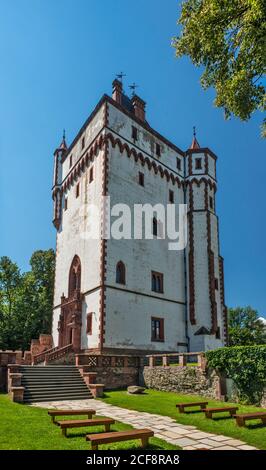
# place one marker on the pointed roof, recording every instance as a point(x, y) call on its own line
point(194, 144)
point(63, 145)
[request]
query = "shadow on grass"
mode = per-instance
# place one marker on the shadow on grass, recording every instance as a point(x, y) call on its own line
point(256, 426)
point(84, 433)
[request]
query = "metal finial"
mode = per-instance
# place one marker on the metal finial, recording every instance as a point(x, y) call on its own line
point(194, 131)
point(64, 134)
point(133, 88)
point(120, 76)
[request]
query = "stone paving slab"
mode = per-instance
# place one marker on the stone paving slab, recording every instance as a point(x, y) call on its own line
point(166, 428)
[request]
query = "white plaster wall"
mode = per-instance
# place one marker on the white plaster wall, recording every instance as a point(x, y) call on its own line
point(128, 322)
point(91, 304)
point(91, 131)
point(211, 165)
point(122, 125)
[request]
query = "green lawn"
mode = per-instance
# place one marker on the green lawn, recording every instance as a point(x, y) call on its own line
point(163, 403)
point(29, 428)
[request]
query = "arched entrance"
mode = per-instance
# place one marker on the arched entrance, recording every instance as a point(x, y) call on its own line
point(70, 321)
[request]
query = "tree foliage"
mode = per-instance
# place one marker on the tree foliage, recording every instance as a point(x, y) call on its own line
point(244, 327)
point(246, 365)
point(26, 300)
point(227, 38)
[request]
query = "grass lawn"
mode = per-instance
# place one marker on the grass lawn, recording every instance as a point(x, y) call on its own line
point(163, 403)
point(23, 427)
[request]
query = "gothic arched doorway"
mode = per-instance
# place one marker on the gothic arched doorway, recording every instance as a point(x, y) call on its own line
point(70, 321)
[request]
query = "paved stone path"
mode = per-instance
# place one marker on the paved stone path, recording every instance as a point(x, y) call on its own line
point(186, 437)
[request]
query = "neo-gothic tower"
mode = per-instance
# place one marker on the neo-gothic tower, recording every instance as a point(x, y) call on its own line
point(135, 296)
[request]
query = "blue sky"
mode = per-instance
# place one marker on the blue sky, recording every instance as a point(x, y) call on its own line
point(57, 59)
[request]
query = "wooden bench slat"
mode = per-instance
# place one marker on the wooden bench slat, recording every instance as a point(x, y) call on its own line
point(106, 438)
point(259, 414)
point(82, 423)
point(228, 408)
point(193, 403)
point(75, 423)
point(70, 412)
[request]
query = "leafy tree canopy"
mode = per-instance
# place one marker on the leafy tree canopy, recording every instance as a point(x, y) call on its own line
point(227, 38)
point(245, 327)
point(26, 300)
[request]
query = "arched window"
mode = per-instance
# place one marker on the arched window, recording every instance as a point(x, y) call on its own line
point(120, 273)
point(74, 276)
point(153, 283)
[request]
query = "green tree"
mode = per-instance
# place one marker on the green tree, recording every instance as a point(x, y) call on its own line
point(26, 300)
point(227, 38)
point(10, 284)
point(245, 328)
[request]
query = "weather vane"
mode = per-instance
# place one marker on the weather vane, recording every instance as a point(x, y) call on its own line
point(133, 88)
point(194, 131)
point(120, 76)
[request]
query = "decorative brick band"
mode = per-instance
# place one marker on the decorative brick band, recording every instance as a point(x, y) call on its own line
point(225, 319)
point(191, 259)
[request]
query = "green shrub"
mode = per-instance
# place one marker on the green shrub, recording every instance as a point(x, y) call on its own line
point(246, 366)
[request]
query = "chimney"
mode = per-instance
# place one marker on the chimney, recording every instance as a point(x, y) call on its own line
point(139, 107)
point(117, 91)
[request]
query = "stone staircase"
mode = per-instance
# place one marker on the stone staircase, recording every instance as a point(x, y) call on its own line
point(52, 383)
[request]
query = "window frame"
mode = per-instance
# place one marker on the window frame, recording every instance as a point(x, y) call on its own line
point(134, 133)
point(141, 179)
point(89, 323)
point(91, 174)
point(120, 265)
point(158, 279)
point(178, 163)
point(160, 338)
point(198, 163)
point(158, 149)
point(171, 196)
point(77, 190)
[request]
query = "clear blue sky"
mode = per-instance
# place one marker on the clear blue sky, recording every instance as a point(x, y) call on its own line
point(57, 59)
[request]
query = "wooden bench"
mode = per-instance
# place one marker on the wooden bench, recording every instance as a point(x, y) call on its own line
point(81, 423)
point(106, 438)
point(182, 406)
point(230, 409)
point(241, 418)
point(54, 413)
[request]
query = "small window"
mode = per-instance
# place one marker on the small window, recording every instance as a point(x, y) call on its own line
point(211, 202)
point(198, 164)
point(154, 227)
point(65, 205)
point(157, 282)
point(178, 163)
point(216, 283)
point(77, 190)
point(83, 142)
point(158, 150)
point(89, 324)
point(171, 196)
point(157, 329)
point(120, 273)
point(141, 178)
point(70, 161)
point(218, 333)
point(91, 174)
point(134, 133)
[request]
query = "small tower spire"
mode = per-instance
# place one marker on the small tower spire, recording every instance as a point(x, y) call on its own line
point(194, 144)
point(63, 145)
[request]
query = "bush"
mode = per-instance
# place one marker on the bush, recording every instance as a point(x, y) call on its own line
point(246, 366)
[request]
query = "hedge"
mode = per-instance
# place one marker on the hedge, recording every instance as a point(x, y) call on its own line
point(246, 366)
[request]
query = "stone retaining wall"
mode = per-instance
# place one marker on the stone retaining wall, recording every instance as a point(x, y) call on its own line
point(190, 380)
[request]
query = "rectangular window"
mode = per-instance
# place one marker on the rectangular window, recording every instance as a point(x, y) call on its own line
point(211, 202)
point(91, 174)
point(65, 205)
point(83, 143)
point(216, 283)
point(178, 163)
point(158, 150)
point(70, 161)
point(198, 164)
point(171, 196)
point(157, 329)
point(157, 282)
point(134, 133)
point(77, 190)
point(89, 324)
point(141, 178)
